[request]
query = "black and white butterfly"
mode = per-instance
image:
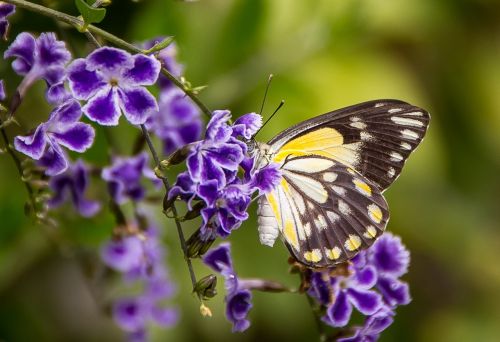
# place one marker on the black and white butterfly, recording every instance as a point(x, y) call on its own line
point(329, 203)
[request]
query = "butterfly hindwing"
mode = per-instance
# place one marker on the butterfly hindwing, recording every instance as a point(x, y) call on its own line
point(326, 211)
point(375, 138)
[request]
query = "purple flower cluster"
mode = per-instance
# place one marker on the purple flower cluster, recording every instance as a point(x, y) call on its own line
point(238, 298)
point(72, 185)
point(124, 177)
point(5, 11)
point(177, 122)
point(372, 286)
point(140, 258)
point(44, 58)
point(63, 128)
point(212, 173)
point(113, 81)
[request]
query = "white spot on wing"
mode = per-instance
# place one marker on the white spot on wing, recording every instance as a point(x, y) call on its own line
point(358, 125)
point(339, 190)
point(409, 134)
point(395, 110)
point(396, 157)
point(309, 186)
point(308, 165)
point(365, 136)
point(414, 114)
point(406, 121)
point(344, 207)
point(405, 146)
point(329, 177)
point(320, 222)
point(391, 172)
point(333, 217)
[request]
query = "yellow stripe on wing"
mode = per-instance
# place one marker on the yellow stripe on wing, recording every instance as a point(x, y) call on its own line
point(326, 142)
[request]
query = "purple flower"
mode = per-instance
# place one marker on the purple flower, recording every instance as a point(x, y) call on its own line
point(213, 164)
point(140, 258)
point(178, 121)
point(5, 11)
point(227, 206)
point(391, 259)
point(111, 81)
point(218, 156)
point(124, 254)
point(40, 58)
point(124, 177)
point(371, 285)
point(62, 129)
point(390, 256)
point(3, 95)
point(354, 290)
point(238, 299)
point(73, 183)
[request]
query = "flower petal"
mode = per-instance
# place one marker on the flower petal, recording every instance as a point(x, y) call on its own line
point(267, 178)
point(130, 314)
point(219, 258)
point(390, 256)
point(237, 307)
point(23, 48)
point(338, 314)
point(109, 60)
point(54, 160)
point(208, 191)
point(137, 104)
point(217, 129)
point(64, 115)
point(50, 51)
point(83, 83)
point(77, 138)
point(104, 107)
point(247, 125)
point(32, 145)
point(2, 91)
point(144, 72)
point(367, 302)
point(395, 292)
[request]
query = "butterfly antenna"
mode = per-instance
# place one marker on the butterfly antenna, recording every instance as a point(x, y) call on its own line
point(270, 78)
point(269, 119)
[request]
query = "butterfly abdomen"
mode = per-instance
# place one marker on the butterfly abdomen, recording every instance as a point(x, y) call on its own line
point(268, 225)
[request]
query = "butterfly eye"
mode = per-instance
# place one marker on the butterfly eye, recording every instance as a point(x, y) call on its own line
point(251, 146)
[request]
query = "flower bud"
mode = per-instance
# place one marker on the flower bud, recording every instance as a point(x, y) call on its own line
point(199, 243)
point(206, 287)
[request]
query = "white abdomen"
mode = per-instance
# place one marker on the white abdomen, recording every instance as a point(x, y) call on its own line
point(268, 225)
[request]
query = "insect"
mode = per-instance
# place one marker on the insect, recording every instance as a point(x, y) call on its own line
point(335, 167)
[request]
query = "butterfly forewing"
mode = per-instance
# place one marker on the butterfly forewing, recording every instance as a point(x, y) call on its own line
point(326, 211)
point(375, 138)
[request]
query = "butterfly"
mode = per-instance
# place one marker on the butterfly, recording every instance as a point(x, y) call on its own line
point(329, 205)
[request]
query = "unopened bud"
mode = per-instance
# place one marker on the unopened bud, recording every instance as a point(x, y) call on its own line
point(177, 157)
point(206, 287)
point(199, 243)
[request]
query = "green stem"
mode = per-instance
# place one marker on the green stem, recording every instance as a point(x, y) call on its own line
point(78, 24)
point(166, 185)
point(19, 167)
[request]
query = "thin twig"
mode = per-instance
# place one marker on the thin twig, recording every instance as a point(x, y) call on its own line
point(166, 185)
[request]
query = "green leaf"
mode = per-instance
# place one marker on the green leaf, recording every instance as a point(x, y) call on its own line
point(90, 14)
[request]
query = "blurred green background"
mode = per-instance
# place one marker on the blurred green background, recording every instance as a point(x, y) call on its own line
point(441, 55)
